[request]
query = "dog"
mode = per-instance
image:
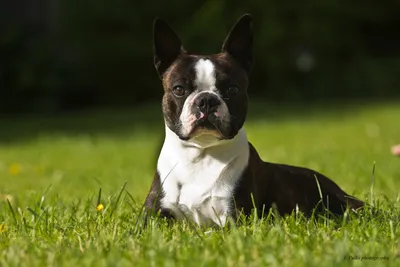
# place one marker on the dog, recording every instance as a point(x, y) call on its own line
point(207, 170)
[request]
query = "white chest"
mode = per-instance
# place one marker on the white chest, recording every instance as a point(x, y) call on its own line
point(198, 184)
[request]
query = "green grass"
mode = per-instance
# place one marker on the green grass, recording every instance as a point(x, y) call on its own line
point(52, 168)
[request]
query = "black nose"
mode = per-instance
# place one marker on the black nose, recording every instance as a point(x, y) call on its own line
point(207, 103)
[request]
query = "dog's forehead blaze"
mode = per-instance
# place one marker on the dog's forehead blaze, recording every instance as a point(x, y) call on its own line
point(184, 69)
point(205, 74)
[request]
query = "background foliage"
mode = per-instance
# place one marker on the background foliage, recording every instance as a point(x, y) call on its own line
point(64, 54)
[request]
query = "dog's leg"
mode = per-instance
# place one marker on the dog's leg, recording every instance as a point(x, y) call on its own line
point(152, 203)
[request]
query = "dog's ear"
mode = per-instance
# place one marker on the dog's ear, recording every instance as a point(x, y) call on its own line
point(167, 45)
point(239, 42)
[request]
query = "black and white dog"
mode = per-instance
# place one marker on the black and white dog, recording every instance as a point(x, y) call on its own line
point(207, 169)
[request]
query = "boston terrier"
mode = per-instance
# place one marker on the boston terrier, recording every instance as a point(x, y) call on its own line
point(207, 170)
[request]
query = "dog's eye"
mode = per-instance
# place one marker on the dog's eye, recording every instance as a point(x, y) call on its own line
point(232, 90)
point(178, 91)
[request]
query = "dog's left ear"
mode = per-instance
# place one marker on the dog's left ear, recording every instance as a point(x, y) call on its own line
point(239, 42)
point(167, 45)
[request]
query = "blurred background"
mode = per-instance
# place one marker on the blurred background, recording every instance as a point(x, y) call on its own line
point(59, 55)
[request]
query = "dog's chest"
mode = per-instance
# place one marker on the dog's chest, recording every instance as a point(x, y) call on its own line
point(200, 191)
point(199, 187)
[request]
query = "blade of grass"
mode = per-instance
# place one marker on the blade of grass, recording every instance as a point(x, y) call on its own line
point(99, 198)
point(118, 198)
point(12, 212)
point(371, 189)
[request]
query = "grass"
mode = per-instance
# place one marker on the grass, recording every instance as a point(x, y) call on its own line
point(53, 167)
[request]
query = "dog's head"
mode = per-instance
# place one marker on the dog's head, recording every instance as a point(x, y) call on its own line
point(204, 95)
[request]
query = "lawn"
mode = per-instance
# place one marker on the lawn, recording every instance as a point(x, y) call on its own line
point(53, 167)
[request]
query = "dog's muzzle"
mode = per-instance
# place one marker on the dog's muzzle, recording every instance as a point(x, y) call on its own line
point(206, 104)
point(205, 114)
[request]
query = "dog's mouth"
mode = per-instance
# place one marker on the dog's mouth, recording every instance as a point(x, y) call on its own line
point(208, 124)
point(212, 126)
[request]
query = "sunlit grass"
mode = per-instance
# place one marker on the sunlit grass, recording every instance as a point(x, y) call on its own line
point(52, 168)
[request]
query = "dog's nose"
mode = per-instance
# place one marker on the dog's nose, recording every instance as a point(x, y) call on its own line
point(207, 103)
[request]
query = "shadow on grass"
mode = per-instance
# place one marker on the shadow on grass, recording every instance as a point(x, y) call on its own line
point(148, 117)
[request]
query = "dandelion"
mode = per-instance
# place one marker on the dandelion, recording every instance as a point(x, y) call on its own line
point(2, 227)
point(15, 169)
point(100, 207)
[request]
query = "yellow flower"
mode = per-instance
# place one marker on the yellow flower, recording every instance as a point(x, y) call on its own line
point(15, 169)
point(100, 207)
point(2, 227)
